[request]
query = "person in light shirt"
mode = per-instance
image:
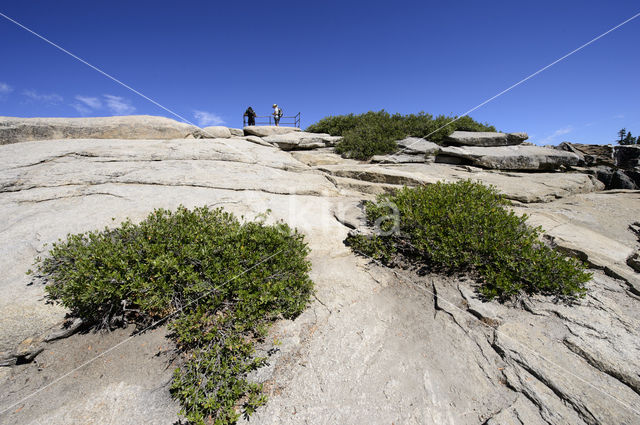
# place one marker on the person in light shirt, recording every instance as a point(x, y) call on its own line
point(277, 114)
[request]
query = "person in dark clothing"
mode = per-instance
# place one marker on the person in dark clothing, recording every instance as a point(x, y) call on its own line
point(251, 116)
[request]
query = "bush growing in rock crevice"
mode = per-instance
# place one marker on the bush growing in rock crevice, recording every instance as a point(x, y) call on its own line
point(375, 133)
point(224, 281)
point(466, 226)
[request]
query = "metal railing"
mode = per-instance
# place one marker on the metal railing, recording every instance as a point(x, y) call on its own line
point(270, 120)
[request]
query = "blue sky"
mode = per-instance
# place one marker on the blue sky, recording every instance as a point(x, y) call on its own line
point(208, 61)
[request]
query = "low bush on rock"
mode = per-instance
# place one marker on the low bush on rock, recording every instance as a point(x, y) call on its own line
point(467, 226)
point(223, 282)
point(375, 133)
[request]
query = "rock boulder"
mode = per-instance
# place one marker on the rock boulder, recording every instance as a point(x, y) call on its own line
point(529, 158)
point(14, 130)
point(257, 140)
point(267, 130)
point(518, 186)
point(627, 157)
point(590, 154)
point(217, 132)
point(418, 146)
point(477, 138)
point(401, 158)
point(302, 140)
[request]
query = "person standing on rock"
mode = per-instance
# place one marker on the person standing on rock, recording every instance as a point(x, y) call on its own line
point(277, 114)
point(251, 116)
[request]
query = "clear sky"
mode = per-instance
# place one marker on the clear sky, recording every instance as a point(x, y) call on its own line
point(208, 61)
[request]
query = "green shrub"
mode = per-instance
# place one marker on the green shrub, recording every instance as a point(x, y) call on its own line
point(224, 281)
point(466, 226)
point(378, 142)
point(375, 133)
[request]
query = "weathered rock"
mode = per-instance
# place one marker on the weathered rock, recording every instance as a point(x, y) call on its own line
point(626, 274)
point(267, 130)
point(627, 157)
point(398, 159)
point(620, 180)
point(635, 228)
point(594, 247)
point(568, 147)
point(13, 130)
point(634, 175)
point(582, 225)
point(257, 140)
point(302, 140)
point(361, 188)
point(319, 157)
point(236, 132)
point(521, 412)
point(531, 158)
point(377, 174)
point(217, 132)
point(523, 187)
point(604, 174)
point(451, 160)
point(591, 155)
point(417, 146)
point(578, 366)
point(478, 138)
point(634, 261)
point(616, 178)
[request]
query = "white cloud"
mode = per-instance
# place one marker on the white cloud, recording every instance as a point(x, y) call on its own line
point(86, 104)
point(618, 117)
point(207, 118)
point(119, 105)
point(91, 102)
point(5, 89)
point(81, 108)
point(557, 133)
point(51, 98)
